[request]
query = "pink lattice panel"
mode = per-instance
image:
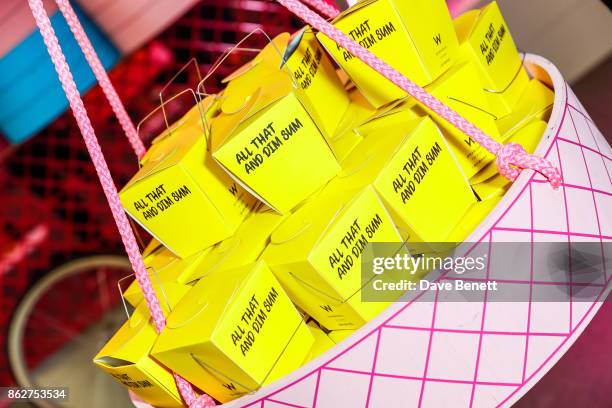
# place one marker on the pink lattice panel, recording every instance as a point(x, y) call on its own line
point(430, 353)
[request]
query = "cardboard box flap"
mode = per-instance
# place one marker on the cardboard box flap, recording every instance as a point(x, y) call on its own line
point(244, 69)
point(358, 112)
point(494, 187)
point(184, 266)
point(271, 55)
point(152, 247)
point(307, 224)
point(535, 101)
point(255, 75)
point(464, 24)
point(168, 154)
point(262, 71)
point(222, 255)
point(294, 355)
point(167, 290)
point(243, 247)
point(205, 304)
point(240, 107)
point(209, 366)
point(192, 123)
point(368, 158)
point(275, 89)
point(461, 85)
point(231, 116)
point(358, 6)
point(529, 136)
point(298, 233)
point(158, 258)
point(132, 341)
point(471, 219)
point(404, 104)
point(343, 204)
point(169, 267)
point(322, 342)
point(338, 335)
point(399, 120)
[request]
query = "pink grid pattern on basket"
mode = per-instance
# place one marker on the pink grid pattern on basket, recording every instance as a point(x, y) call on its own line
point(482, 354)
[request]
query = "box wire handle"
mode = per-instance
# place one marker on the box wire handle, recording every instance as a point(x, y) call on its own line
point(511, 158)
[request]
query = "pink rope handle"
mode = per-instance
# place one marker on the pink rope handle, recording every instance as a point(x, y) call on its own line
point(110, 191)
point(510, 158)
point(323, 7)
point(98, 69)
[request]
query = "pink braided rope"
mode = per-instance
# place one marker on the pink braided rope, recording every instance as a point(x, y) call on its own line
point(323, 7)
point(511, 158)
point(123, 225)
point(102, 77)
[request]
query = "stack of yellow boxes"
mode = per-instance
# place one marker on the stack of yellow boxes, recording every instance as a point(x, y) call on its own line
point(263, 201)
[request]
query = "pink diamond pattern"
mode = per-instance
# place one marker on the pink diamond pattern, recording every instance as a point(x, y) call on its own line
point(496, 351)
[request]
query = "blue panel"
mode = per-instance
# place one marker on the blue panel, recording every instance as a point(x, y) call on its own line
point(31, 96)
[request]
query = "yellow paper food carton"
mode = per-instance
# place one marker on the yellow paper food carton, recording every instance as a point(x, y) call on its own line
point(474, 216)
point(267, 139)
point(316, 254)
point(344, 140)
point(360, 120)
point(496, 186)
point(318, 87)
point(528, 136)
point(303, 338)
point(167, 276)
point(415, 37)
point(197, 120)
point(338, 335)
point(156, 256)
point(301, 59)
point(182, 197)
point(460, 89)
point(535, 103)
point(162, 289)
point(388, 121)
point(228, 332)
point(126, 358)
point(416, 175)
point(322, 342)
point(152, 246)
point(242, 248)
point(486, 41)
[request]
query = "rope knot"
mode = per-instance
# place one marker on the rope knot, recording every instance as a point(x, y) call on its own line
point(512, 158)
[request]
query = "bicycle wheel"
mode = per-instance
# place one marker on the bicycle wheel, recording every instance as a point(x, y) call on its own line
point(60, 324)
